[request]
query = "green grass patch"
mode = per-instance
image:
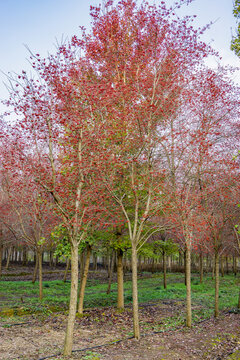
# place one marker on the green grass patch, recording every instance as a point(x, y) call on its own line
point(21, 297)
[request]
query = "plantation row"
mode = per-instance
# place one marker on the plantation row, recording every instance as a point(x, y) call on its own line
point(123, 146)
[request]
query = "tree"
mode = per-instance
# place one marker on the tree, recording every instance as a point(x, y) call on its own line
point(57, 141)
point(142, 59)
point(235, 44)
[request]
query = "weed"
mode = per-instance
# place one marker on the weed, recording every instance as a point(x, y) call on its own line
point(91, 356)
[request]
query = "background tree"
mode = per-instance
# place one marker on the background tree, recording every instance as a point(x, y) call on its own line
point(235, 45)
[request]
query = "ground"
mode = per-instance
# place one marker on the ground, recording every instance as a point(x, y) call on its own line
point(104, 333)
point(99, 330)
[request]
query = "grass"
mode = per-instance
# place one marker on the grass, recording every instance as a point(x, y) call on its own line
point(21, 297)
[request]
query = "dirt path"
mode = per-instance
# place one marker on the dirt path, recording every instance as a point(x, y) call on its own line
point(212, 340)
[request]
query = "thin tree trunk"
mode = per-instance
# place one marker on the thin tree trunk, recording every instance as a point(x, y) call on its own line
point(51, 258)
point(40, 274)
point(227, 265)
point(35, 270)
point(216, 311)
point(201, 267)
point(213, 269)
point(84, 280)
point(111, 272)
point(24, 259)
point(73, 301)
point(120, 294)
point(136, 329)
point(66, 270)
point(185, 268)
point(235, 265)
point(222, 266)
point(1, 256)
point(188, 286)
point(8, 258)
point(164, 270)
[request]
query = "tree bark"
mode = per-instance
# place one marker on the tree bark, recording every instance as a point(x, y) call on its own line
point(136, 329)
point(222, 266)
point(227, 265)
point(235, 265)
point(185, 268)
point(84, 280)
point(164, 270)
point(8, 257)
point(40, 274)
point(201, 267)
point(24, 261)
point(73, 301)
point(66, 270)
point(120, 294)
point(216, 310)
point(1, 256)
point(188, 287)
point(35, 270)
point(110, 274)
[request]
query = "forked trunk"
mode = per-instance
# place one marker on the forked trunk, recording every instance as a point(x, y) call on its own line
point(84, 280)
point(73, 301)
point(120, 293)
point(216, 311)
point(136, 330)
point(188, 286)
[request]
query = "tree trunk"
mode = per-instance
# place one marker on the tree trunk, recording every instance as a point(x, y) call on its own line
point(216, 311)
point(1, 256)
point(235, 265)
point(120, 294)
point(136, 329)
point(164, 270)
point(111, 267)
point(201, 267)
point(40, 274)
point(51, 258)
point(35, 270)
point(222, 266)
point(95, 262)
point(73, 301)
point(84, 280)
point(227, 265)
point(66, 270)
point(185, 268)
point(24, 260)
point(8, 257)
point(188, 286)
point(213, 269)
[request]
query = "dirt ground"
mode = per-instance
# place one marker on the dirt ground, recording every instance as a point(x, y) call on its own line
point(99, 330)
point(106, 334)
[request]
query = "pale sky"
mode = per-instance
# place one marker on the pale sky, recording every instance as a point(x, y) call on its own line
point(38, 23)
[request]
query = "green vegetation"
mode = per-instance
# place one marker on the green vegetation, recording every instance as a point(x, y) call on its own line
point(21, 297)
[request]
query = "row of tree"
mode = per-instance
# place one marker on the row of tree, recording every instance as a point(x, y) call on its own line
point(124, 131)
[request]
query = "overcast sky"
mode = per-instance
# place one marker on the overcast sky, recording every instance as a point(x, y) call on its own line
point(38, 23)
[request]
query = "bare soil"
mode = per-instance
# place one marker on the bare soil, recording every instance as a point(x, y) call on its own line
point(99, 331)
